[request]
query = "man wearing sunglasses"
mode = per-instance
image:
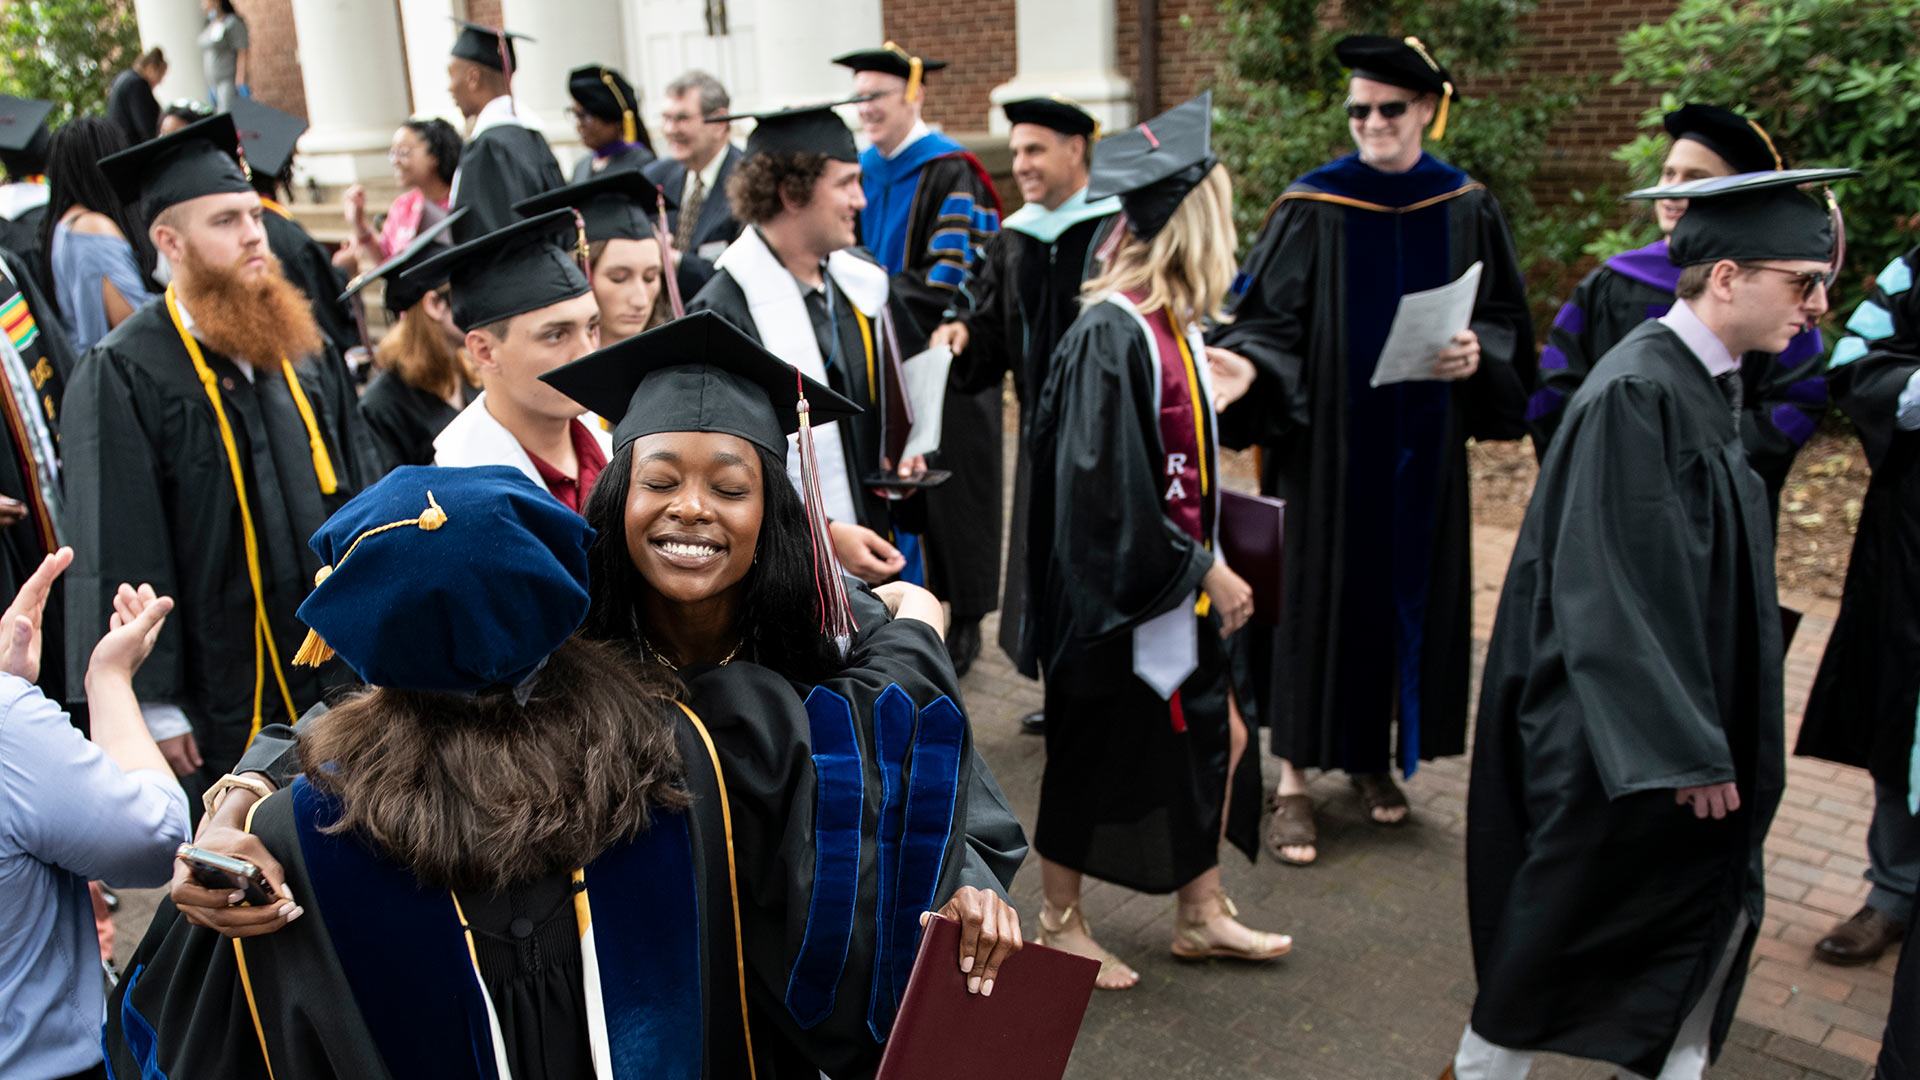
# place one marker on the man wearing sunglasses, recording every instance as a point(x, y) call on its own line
point(1630, 751)
point(1376, 635)
point(1784, 393)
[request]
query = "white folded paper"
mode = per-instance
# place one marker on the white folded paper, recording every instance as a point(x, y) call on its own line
point(1424, 324)
point(926, 387)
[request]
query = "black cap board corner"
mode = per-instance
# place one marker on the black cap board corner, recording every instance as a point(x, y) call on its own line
point(1756, 215)
point(402, 293)
point(697, 373)
point(1741, 143)
point(799, 129)
point(619, 204)
point(1056, 113)
point(23, 121)
point(267, 135)
point(510, 271)
point(485, 45)
point(202, 158)
point(1152, 166)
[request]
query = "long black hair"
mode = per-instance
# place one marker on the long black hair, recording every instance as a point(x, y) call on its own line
point(74, 179)
point(779, 613)
point(443, 142)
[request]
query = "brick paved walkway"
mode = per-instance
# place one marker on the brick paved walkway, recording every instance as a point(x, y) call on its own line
point(1381, 978)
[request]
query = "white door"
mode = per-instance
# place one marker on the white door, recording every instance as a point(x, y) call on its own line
point(768, 53)
point(670, 37)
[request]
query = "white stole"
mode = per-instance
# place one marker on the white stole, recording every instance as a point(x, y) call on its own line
point(780, 317)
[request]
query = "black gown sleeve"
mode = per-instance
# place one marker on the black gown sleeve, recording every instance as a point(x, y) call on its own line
point(1271, 320)
point(275, 749)
point(1637, 663)
point(1495, 396)
point(1105, 555)
point(1565, 360)
point(983, 364)
point(1871, 368)
point(960, 216)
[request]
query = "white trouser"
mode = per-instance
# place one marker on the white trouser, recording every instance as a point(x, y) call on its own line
point(1478, 1059)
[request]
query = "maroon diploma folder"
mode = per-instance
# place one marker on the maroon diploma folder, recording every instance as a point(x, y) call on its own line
point(1025, 1031)
point(1251, 527)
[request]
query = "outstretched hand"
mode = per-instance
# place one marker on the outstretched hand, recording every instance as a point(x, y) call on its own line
point(20, 626)
point(989, 933)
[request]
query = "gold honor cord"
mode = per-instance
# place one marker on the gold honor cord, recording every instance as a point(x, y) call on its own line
point(1205, 603)
point(733, 884)
point(262, 628)
point(866, 338)
point(246, 978)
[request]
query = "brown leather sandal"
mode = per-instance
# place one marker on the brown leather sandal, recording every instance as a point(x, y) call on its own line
point(1292, 826)
point(1379, 792)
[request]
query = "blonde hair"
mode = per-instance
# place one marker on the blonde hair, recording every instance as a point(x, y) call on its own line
point(1188, 266)
point(416, 349)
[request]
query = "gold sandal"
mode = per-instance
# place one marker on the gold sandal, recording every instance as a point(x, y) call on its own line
point(1110, 965)
point(1190, 940)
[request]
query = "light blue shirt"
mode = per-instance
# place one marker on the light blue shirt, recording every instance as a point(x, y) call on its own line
point(68, 815)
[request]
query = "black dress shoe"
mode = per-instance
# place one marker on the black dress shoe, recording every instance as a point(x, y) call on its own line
point(1861, 939)
point(963, 645)
point(1034, 723)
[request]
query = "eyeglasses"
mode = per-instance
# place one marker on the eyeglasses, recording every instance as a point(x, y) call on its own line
point(1809, 279)
point(1390, 110)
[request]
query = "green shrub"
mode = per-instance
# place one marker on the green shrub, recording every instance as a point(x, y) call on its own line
point(66, 51)
point(1834, 82)
point(1278, 97)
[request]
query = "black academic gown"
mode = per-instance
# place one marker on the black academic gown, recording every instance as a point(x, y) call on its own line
point(1135, 785)
point(499, 167)
point(1376, 632)
point(930, 278)
point(860, 435)
point(1900, 1049)
point(150, 498)
point(795, 765)
point(1637, 650)
point(133, 108)
point(1861, 711)
point(405, 419)
point(1784, 395)
point(311, 269)
point(634, 157)
point(1029, 293)
point(49, 362)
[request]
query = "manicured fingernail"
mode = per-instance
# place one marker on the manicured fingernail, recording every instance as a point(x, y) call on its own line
point(287, 910)
point(973, 985)
point(986, 988)
point(924, 916)
point(297, 912)
point(235, 897)
point(967, 964)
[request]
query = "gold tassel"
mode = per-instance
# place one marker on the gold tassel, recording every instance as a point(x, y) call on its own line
point(1440, 115)
point(313, 651)
point(322, 461)
point(629, 130)
point(914, 72)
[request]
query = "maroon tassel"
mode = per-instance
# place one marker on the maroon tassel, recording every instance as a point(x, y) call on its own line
point(665, 236)
point(506, 67)
point(1839, 233)
point(830, 590)
point(582, 250)
point(1112, 243)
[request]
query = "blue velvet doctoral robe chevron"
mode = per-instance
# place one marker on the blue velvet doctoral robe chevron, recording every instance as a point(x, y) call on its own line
point(1376, 628)
point(930, 211)
point(1785, 394)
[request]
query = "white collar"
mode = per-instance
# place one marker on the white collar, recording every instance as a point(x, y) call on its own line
point(710, 175)
point(1705, 345)
point(918, 131)
point(504, 110)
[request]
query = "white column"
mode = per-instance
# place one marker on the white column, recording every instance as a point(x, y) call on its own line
point(566, 36)
point(175, 27)
point(1066, 47)
point(429, 33)
point(351, 63)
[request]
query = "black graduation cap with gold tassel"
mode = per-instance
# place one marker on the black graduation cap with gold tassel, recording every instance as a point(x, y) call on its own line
point(1399, 61)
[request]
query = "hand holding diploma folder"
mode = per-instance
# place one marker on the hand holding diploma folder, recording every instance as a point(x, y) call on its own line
point(1025, 1031)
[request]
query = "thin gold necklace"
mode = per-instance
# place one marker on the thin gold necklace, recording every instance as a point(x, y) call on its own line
point(654, 651)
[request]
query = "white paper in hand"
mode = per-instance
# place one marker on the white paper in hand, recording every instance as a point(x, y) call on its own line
point(926, 379)
point(1424, 324)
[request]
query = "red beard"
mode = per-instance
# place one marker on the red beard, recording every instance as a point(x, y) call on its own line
point(259, 321)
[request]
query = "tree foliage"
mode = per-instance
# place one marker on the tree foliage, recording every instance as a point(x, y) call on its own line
point(1834, 82)
point(66, 51)
point(1280, 90)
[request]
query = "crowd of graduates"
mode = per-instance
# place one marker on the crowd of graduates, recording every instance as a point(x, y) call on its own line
point(567, 681)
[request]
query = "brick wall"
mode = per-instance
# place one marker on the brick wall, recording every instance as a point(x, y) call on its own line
point(976, 40)
point(484, 12)
point(1185, 66)
point(273, 54)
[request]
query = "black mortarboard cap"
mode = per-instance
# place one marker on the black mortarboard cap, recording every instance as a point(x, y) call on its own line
point(1738, 140)
point(202, 158)
point(23, 127)
point(697, 373)
point(1050, 112)
point(484, 44)
point(891, 59)
point(618, 204)
point(1396, 61)
point(803, 129)
point(510, 271)
point(267, 135)
point(1153, 166)
point(1757, 215)
point(402, 292)
point(603, 92)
